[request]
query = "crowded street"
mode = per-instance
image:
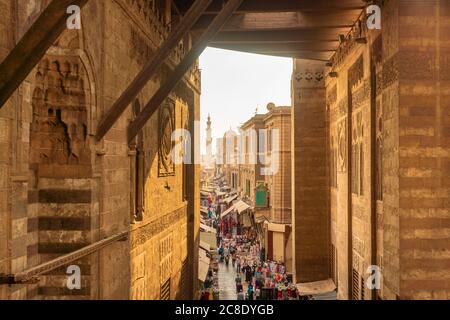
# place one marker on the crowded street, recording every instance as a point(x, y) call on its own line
point(240, 268)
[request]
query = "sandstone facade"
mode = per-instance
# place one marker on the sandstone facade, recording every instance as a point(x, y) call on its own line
point(61, 190)
point(377, 121)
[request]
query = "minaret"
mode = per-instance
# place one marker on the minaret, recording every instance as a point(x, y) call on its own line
point(208, 140)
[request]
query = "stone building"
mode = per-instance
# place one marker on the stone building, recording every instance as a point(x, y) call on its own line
point(277, 125)
point(264, 153)
point(250, 167)
point(128, 206)
point(228, 155)
point(371, 157)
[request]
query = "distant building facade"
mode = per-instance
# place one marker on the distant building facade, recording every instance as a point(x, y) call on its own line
point(260, 162)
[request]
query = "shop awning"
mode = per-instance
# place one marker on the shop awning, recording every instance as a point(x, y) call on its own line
point(203, 265)
point(206, 228)
point(241, 206)
point(260, 219)
point(228, 211)
point(220, 193)
point(209, 238)
point(205, 246)
point(316, 288)
point(230, 199)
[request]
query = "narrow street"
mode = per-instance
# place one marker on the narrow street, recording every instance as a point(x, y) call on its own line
point(227, 282)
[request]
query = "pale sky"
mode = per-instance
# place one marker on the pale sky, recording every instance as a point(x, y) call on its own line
point(234, 84)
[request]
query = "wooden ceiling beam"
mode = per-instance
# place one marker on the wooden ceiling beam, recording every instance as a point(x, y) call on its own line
point(33, 46)
point(280, 36)
point(180, 30)
point(281, 47)
point(310, 55)
point(285, 21)
point(179, 72)
point(258, 6)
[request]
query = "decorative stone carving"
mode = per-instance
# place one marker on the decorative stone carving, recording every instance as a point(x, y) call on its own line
point(59, 128)
point(332, 96)
point(309, 77)
point(356, 72)
point(361, 95)
point(152, 229)
point(166, 165)
point(342, 147)
point(390, 71)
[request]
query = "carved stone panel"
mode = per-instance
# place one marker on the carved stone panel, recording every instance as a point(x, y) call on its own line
point(59, 128)
point(342, 147)
point(356, 72)
point(166, 165)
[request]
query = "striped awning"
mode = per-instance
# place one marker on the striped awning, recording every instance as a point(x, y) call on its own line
point(241, 206)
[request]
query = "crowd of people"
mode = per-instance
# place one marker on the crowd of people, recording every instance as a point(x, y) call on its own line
point(256, 278)
point(239, 248)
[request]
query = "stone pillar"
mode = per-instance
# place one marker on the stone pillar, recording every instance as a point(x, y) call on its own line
point(310, 205)
point(423, 68)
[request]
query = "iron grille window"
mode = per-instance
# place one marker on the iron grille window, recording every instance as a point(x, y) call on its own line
point(355, 285)
point(184, 281)
point(165, 291)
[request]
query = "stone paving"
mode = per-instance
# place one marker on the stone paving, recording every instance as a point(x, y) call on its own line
point(227, 284)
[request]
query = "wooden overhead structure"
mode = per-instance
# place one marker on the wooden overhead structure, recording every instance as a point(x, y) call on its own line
point(307, 29)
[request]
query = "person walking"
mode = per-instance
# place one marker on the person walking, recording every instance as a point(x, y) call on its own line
point(238, 281)
point(250, 292)
point(240, 295)
point(238, 265)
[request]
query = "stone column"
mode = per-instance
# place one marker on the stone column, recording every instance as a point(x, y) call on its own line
point(310, 205)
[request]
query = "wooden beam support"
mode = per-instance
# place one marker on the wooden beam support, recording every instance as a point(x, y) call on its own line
point(285, 36)
point(280, 47)
point(257, 6)
point(181, 29)
point(285, 20)
point(25, 276)
point(182, 68)
point(324, 56)
point(33, 46)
